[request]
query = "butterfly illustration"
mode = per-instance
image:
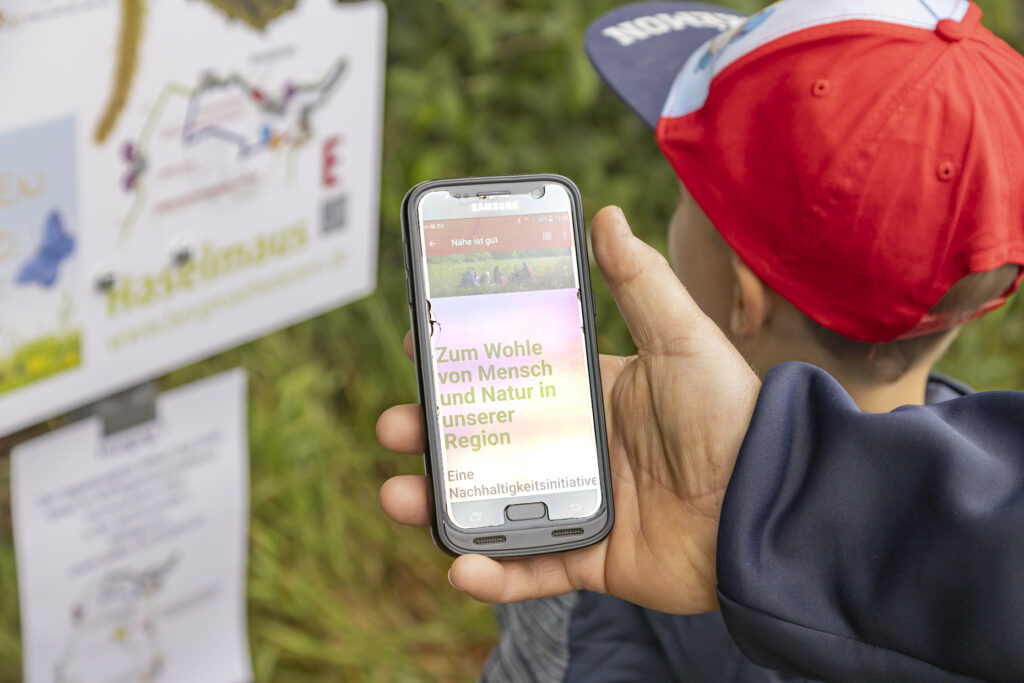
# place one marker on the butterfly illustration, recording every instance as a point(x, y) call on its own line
point(56, 246)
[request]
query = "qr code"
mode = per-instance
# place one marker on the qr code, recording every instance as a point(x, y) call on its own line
point(334, 214)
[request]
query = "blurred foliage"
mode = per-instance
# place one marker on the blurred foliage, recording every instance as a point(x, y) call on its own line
point(478, 87)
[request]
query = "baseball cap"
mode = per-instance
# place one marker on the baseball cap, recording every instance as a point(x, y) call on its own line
point(861, 156)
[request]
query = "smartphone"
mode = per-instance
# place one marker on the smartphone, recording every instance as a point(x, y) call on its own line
point(509, 379)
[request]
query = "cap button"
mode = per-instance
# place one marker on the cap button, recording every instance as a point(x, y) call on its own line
point(951, 31)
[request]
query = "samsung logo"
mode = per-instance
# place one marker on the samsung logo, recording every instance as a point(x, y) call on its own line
point(642, 28)
point(510, 205)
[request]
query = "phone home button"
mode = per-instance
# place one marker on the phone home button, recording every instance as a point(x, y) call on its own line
point(523, 511)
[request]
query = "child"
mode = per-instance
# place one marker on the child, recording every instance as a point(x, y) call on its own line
point(848, 199)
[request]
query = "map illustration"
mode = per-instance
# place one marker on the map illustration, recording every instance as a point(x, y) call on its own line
point(227, 114)
point(296, 100)
point(256, 13)
point(115, 634)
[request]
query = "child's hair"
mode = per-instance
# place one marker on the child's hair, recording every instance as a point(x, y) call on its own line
point(890, 361)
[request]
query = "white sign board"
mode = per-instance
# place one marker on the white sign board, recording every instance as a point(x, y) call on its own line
point(131, 549)
point(177, 177)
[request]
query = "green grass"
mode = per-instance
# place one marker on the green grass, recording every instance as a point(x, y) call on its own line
point(39, 358)
point(336, 591)
point(549, 272)
point(989, 353)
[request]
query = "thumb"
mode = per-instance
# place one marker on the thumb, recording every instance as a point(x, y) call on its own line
point(660, 314)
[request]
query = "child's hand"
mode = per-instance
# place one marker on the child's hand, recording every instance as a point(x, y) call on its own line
point(677, 413)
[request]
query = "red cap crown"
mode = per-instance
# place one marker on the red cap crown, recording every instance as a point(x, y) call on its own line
point(860, 163)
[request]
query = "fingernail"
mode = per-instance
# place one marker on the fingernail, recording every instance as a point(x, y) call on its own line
point(623, 223)
point(452, 582)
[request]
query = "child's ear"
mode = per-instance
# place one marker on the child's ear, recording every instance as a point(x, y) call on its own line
point(750, 302)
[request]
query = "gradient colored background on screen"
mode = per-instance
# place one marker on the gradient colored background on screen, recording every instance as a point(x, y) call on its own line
point(550, 434)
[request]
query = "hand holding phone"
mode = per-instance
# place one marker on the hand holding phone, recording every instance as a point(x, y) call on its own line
point(508, 367)
point(677, 412)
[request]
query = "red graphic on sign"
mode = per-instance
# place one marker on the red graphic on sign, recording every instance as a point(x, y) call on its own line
point(330, 160)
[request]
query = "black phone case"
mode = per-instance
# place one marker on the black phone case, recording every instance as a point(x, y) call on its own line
point(512, 538)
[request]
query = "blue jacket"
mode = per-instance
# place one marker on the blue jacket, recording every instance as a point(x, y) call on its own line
point(852, 547)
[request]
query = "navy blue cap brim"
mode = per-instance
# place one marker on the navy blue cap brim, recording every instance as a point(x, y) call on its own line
point(638, 49)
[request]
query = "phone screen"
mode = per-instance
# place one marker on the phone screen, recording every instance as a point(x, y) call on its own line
point(508, 357)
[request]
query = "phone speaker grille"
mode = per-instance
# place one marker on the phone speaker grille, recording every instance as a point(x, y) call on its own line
point(567, 532)
point(489, 540)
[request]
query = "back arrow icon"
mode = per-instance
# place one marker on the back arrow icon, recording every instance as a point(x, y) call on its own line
point(432, 243)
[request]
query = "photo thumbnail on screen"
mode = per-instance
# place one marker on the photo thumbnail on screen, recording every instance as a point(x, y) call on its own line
point(499, 254)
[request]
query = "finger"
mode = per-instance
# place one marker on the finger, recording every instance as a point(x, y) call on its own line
point(400, 428)
point(525, 578)
point(406, 499)
point(611, 367)
point(658, 310)
point(488, 580)
point(408, 344)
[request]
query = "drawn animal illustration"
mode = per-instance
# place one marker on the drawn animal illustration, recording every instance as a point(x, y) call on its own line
point(43, 266)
